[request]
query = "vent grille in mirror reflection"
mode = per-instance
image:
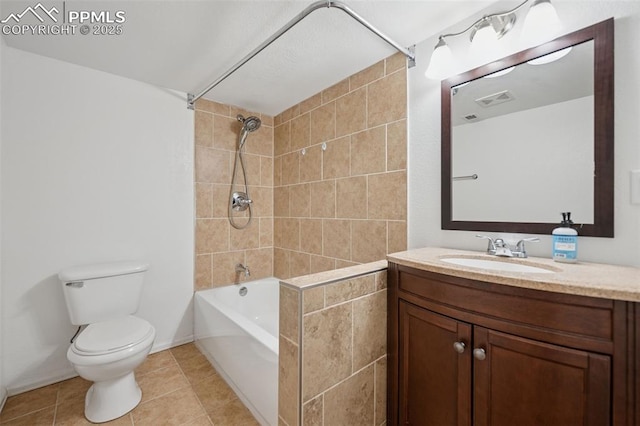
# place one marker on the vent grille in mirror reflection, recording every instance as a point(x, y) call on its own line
point(495, 99)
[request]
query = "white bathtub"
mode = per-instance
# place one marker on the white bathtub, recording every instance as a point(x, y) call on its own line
point(239, 336)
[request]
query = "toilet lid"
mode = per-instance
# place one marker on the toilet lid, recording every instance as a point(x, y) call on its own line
point(113, 335)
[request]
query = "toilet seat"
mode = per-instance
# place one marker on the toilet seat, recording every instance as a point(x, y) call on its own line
point(112, 336)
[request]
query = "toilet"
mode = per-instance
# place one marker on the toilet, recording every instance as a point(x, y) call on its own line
point(102, 298)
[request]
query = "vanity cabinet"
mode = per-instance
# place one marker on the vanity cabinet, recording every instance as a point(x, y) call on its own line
point(467, 352)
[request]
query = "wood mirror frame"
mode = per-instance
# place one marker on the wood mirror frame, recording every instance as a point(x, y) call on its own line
point(602, 35)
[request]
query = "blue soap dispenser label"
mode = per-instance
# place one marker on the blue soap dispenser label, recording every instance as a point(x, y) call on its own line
point(565, 241)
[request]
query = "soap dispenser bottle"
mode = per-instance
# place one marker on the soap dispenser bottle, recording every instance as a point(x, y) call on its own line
point(565, 241)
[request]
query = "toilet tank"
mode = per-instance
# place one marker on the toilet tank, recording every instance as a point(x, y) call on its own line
point(104, 291)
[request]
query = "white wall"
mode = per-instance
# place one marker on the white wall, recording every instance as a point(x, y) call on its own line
point(424, 138)
point(94, 168)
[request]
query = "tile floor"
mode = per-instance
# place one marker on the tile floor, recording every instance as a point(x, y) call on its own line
point(179, 387)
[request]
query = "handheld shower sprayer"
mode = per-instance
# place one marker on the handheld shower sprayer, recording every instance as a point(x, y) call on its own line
point(249, 124)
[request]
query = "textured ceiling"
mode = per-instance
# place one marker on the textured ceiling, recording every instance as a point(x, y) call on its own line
point(185, 45)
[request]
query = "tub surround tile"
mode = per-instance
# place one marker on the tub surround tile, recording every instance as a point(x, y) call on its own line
point(387, 99)
point(204, 200)
point(322, 264)
point(204, 272)
point(397, 236)
point(334, 276)
point(324, 364)
point(282, 138)
point(352, 196)
point(323, 123)
point(213, 165)
point(367, 75)
point(281, 197)
point(335, 91)
point(381, 391)
point(323, 199)
point(266, 232)
point(289, 310)
point(288, 378)
point(368, 240)
point(395, 62)
point(311, 103)
point(243, 239)
point(313, 299)
point(387, 195)
point(369, 328)
point(311, 164)
point(212, 235)
point(343, 291)
point(203, 131)
point(291, 168)
point(312, 412)
point(260, 263)
point(311, 236)
point(351, 112)
point(336, 238)
point(397, 145)
point(381, 280)
point(299, 200)
point(224, 267)
point(266, 171)
point(368, 151)
point(225, 132)
point(281, 263)
point(336, 159)
point(352, 401)
point(212, 107)
point(299, 263)
point(300, 127)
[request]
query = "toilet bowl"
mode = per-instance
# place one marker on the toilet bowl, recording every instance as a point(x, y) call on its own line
point(107, 353)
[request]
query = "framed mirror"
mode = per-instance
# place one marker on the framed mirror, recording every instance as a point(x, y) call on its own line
point(530, 136)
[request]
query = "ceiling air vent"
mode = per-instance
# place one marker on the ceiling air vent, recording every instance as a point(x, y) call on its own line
point(471, 117)
point(495, 99)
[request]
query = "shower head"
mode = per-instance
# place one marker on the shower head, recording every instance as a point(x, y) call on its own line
point(249, 124)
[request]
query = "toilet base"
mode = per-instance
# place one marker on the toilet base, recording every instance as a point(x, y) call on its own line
point(110, 399)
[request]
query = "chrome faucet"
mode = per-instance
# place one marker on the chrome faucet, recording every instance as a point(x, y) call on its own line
point(241, 269)
point(500, 247)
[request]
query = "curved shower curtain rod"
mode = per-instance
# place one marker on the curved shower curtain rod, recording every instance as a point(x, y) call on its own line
point(408, 52)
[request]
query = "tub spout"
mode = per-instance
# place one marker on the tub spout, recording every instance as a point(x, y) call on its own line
point(242, 269)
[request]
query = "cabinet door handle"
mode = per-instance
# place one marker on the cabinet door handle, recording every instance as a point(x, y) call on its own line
point(459, 347)
point(479, 354)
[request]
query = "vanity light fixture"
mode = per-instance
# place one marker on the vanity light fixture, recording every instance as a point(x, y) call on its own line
point(541, 19)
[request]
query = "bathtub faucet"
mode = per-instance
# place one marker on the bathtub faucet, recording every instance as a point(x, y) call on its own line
point(240, 268)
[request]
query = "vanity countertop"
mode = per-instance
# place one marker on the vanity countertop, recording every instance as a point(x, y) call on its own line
point(581, 278)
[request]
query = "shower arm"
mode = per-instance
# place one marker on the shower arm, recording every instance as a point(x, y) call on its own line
point(408, 52)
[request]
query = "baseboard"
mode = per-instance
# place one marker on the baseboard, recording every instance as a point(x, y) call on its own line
point(158, 347)
point(41, 383)
point(71, 373)
point(3, 398)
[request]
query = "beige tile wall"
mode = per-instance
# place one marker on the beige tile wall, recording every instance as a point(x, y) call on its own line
point(346, 204)
point(333, 355)
point(219, 247)
point(323, 210)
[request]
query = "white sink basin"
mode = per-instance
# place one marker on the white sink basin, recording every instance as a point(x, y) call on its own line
point(496, 265)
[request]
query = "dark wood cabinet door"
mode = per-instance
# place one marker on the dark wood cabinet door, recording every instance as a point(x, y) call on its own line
point(435, 379)
point(525, 382)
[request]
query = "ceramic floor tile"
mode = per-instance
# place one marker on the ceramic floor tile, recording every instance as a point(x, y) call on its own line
point(155, 362)
point(37, 418)
point(160, 382)
point(168, 397)
point(28, 402)
point(176, 408)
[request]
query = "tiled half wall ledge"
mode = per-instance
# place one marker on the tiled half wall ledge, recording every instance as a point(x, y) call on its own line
point(333, 347)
